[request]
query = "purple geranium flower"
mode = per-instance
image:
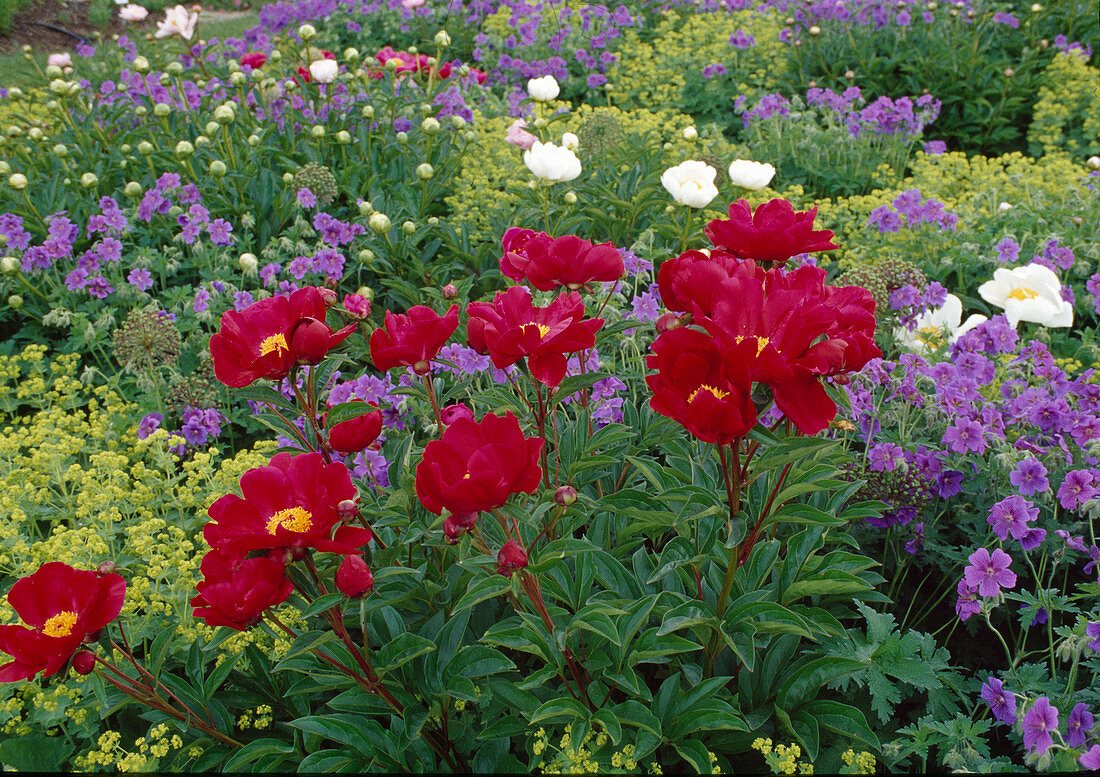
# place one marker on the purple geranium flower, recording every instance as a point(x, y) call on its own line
point(1029, 477)
point(989, 572)
point(1076, 488)
point(140, 278)
point(967, 604)
point(1038, 722)
point(1011, 516)
point(965, 435)
point(1002, 703)
point(1091, 759)
point(1079, 725)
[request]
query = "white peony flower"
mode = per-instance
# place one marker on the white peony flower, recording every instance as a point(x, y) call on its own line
point(132, 12)
point(552, 163)
point(65, 59)
point(691, 183)
point(1028, 293)
point(323, 71)
point(570, 141)
point(933, 325)
point(177, 22)
point(543, 89)
point(751, 175)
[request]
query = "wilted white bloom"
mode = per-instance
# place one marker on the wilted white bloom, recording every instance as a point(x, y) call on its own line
point(324, 71)
point(691, 183)
point(132, 12)
point(932, 326)
point(543, 89)
point(751, 175)
point(177, 22)
point(552, 163)
point(1028, 293)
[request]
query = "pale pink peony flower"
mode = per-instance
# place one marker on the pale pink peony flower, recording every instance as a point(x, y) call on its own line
point(519, 136)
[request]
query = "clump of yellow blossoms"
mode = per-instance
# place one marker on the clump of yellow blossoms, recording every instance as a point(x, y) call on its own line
point(857, 763)
point(782, 759)
point(593, 754)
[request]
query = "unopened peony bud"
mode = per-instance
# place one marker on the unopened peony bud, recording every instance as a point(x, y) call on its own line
point(317, 130)
point(9, 265)
point(238, 79)
point(15, 302)
point(212, 128)
point(401, 137)
point(449, 291)
point(849, 74)
point(1094, 162)
point(84, 662)
point(347, 509)
point(17, 181)
point(133, 189)
point(288, 177)
point(442, 39)
point(253, 140)
point(89, 180)
point(60, 150)
point(354, 578)
point(690, 133)
point(357, 305)
point(249, 263)
point(343, 137)
point(218, 169)
point(309, 340)
point(570, 198)
point(380, 223)
point(1009, 72)
point(145, 148)
point(452, 413)
point(307, 32)
point(366, 291)
point(409, 228)
point(815, 30)
point(511, 558)
point(425, 172)
point(668, 321)
point(141, 64)
point(184, 149)
point(565, 495)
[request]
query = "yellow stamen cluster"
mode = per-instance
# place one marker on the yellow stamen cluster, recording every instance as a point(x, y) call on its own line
point(295, 519)
point(717, 393)
point(1022, 293)
point(60, 625)
point(274, 343)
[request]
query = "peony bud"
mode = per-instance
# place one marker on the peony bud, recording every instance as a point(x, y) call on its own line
point(1094, 162)
point(380, 223)
point(307, 32)
point(84, 662)
point(690, 133)
point(89, 180)
point(356, 434)
point(570, 198)
point(184, 149)
point(565, 495)
point(9, 265)
point(347, 509)
point(452, 413)
point(15, 301)
point(309, 340)
point(217, 168)
point(357, 306)
point(668, 321)
point(17, 181)
point(249, 263)
point(133, 189)
point(442, 39)
point(449, 291)
point(354, 577)
point(408, 228)
point(343, 137)
point(106, 568)
point(511, 558)
point(431, 126)
point(425, 172)
point(328, 296)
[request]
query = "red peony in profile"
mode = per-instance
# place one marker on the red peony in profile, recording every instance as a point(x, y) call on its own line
point(292, 503)
point(266, 339)
point(549, 263)
point(477, 466)
point(511, 327)
point(774, 232)
point(413, 339)
point(236, 593)
point(355, 434)
point(62, 606)
point(705, 388)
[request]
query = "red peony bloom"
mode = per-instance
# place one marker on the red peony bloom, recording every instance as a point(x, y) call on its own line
point(549, 263)
point(477, 466)
point(705, 388)
point(687, 282)
point(775, 232)
point(291, 503)
point(236, 593)
point(409, 63)
point(62, 606)
point(266, 339)
point(254, 59)
point(354, 577)
point(511, 328)
point(412, 340)
point(357, 433)
point(802, 330)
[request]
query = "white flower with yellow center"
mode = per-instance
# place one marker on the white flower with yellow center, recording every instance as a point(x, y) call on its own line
point(1028, 293)
point(691, 183)
point(177, 21)
point(936, 326)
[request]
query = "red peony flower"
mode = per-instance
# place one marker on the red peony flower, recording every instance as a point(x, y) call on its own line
point(511, 328)
point(408, 63)
point(549, 263)
point(687, 282)
point(802, 330)
point(705, 388)
point(254, 59)
point(357, 433)
point(477, 466)
point(62, 606)
point(236, 593)
point(774, 232)
point(292, 503)
point(412, 340)
point(260, 342)
point(354, 577)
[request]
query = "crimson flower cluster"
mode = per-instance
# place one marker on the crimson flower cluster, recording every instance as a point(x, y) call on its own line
point(549, 263)
point(788, 330)
point(61, 607)
point(291, 506)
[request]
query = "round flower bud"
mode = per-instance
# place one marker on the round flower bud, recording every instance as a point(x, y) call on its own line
point(145, 148)
point(238, 79)
point(217, 168)
point(105, 568)
point(53, 71)
point(343, 137)
point(1094, 162)
point(224, 114)
point(184, 149)
point(431, 126)
point(160, 110)
point(570, 198)
point(366, 256)
point(367, 112)
point(565, 495)
point(1078, 221)
point(1044, 44)
point(288, 177)
point(35, 133)
point(469, 136)
point(307, 32)
point(425, 172)
point(17, 181)
point(458, 122)
point(1035, 8)
point(351, 54)
point(690, 133)
point(380, 223)
point(1009, 72)
point(249, 263)
point(365, 208)
point(442, 39)
point(88, 180)
point(815, 30)
point(353, 577)
point(511, 558)
point(15, 302)
point(391, 65)
point(408, 227)
point(212, 128)
point(668, 321)
point(317, 130)
point(174, 69)
point(84, 662)
point(15, 93)
point(201, 140)
point(141, 64)
point(347, 509)
point(849, 74)
point(401, 137)
point(433, 220)
point(9, 265)
point(133, 189)
point(141, 110)
point(253, 140)
point(449, 291)
point(540, 122)
point(366, 291)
